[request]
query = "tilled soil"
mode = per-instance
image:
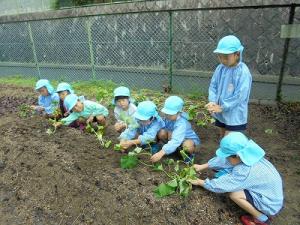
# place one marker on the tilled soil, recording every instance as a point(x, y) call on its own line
point(66, 178)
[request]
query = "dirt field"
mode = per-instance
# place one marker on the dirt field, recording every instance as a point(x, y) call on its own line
point(66, 178)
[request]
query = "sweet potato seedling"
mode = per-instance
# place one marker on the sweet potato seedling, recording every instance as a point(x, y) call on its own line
point(99, 133)
point(25, 111)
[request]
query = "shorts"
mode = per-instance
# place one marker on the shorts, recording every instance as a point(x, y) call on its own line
point(249, 198)
point(231, 128)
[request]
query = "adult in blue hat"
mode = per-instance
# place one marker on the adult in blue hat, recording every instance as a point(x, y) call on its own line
point(177, 133)
point(230, 86)
point(253, 182)
point(48, 99)
point(124, 109)
point(149, 123)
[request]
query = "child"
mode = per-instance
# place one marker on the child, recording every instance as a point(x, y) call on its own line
point(254, 183)
point(124, 108)
point(48, 99)
point(230, 87)
point(177, 131)
point(88, 110)
point(149, 124)
point(63, 89)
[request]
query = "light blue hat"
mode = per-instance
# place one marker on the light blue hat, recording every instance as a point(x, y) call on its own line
point(64, 87)
point(70, 101)
point(145, 110)
point(44, 83)
point(236, 143)
point(121, 91)
point(173, 105)
point(228, 45)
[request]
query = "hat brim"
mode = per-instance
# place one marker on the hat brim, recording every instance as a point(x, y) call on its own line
point(39, 87)
point(140, 117)
point(169, 112)
point(223, 51)
point(221, 154)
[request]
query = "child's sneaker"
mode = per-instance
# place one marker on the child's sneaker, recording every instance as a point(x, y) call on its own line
point(250, 220)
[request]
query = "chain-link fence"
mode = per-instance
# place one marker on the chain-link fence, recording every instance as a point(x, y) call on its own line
point(154, 49)
point(13, 7)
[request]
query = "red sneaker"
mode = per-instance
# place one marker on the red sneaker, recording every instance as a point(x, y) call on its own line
point(250, 220)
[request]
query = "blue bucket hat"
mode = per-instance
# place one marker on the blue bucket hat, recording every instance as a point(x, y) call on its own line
point(64, 87)
point(70, 101)
point(145, 110)
point(173, 105)
point(121, 91)
point(228, 45)
point(44, 83)
point(236, 143)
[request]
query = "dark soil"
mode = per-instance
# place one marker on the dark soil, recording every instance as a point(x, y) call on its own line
point(66, 178)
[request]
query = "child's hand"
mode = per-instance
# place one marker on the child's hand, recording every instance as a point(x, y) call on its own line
point(57, 124)
point(216, 109)
point(197, 182)
point(125, 144)
point(119, 126)
point(201, 167)
point(209, 105)
point(157, 156)
point(90, 119)
point(37, 108)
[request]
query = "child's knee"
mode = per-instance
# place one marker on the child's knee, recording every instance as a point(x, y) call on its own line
point(235, 196)
point(162, 134)
point(101, 119)
point(189, 145)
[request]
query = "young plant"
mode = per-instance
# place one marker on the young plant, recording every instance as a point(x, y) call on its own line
point(201, 116)
point(179, 175)
point(25, 111)
point(99, 133)
point(52, 128)
point(129, 121)
point(131, 160)
point(179, 180)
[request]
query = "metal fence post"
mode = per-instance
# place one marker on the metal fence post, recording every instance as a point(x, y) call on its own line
point(284, 56)
point(170, 50)
point(89, 33)
point(33, 49)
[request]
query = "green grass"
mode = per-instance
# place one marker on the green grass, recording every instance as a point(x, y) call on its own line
point(19, 81)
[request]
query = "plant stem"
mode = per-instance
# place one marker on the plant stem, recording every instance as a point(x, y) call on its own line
point(145, 164)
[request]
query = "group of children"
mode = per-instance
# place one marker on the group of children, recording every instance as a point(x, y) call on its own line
point(241, 168)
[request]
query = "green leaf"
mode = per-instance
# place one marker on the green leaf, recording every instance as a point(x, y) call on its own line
point(107, 144)
point(137, 150)
point(89, 129)
point(183, 154)
point(173, 183)
point(169, 161)
point(49, 131)
point(129, 161)
point(184, 188)
point(176, 168)
point(201, 123)
point(117, 147)
point(158, 167)
point(131, 153)
point(164, 190)
point(268, 131)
